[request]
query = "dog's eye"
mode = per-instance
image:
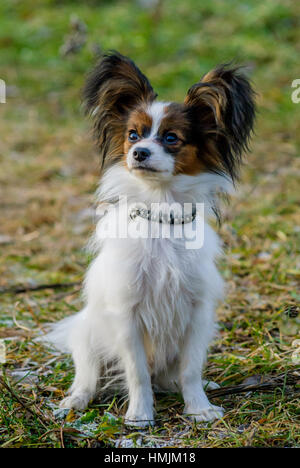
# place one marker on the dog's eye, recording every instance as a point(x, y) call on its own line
point(133, 136)
point(170, 138)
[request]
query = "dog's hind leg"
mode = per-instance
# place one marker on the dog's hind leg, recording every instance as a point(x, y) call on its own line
point(87, 369)
point(168, 380)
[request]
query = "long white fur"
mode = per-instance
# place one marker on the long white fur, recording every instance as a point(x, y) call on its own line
point(150, 305)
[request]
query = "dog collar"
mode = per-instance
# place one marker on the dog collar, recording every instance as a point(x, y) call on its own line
point(169, 218)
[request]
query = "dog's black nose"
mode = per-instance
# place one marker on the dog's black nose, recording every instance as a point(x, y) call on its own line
point(140, 154)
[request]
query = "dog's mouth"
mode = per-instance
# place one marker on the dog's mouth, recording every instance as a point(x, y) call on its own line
point(145, 168)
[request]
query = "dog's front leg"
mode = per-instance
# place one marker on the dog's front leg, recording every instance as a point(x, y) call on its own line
point(133, 356)
point(198, 336)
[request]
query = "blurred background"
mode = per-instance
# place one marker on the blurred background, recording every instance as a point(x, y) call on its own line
point(49, 168)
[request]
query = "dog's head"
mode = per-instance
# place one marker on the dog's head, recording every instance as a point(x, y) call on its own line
point(159, 140)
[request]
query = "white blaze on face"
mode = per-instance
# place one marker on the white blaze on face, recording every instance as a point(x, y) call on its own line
point(160, 164)
point(156, 112)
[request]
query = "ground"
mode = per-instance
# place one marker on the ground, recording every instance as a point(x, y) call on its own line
point(49, 171)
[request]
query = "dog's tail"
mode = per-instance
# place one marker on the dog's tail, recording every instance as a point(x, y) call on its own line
point(59, 334)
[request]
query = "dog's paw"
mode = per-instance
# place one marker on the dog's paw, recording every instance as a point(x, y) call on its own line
point(78, 401)
point(208, 414)
point(210, 385)
point(139, 420)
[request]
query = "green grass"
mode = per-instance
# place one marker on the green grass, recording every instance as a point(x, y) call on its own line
point(49, 171)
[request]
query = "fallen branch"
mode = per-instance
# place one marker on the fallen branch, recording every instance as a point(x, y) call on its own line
point(25, 288)
point(279, 381)
point(26, 406)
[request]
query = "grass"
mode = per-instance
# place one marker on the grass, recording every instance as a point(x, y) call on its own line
point(49, 171)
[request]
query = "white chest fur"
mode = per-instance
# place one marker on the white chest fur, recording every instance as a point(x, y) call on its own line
point(156, 282)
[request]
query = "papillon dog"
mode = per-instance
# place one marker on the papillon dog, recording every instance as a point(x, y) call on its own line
point(150, 301)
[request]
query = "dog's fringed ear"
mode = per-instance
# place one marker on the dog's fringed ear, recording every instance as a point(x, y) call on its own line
point(113, 88)
point(222, 109)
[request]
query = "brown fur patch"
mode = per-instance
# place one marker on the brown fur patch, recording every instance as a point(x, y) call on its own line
point(186, 154)
point(175, 121)
point(187, 161)
point(139, 121)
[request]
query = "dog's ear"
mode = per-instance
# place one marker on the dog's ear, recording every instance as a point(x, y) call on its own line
point(222, 111)
point(112, 90)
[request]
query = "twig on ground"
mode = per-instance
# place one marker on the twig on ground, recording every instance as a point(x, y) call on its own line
point(25, 288)
point(36, 414)
point(279, 381)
